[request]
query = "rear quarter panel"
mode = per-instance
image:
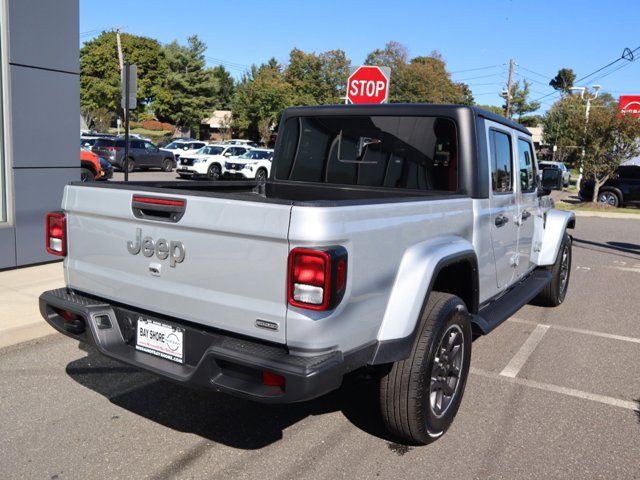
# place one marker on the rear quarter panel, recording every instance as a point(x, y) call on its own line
point(379, 238)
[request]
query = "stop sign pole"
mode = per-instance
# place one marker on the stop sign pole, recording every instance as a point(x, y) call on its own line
point(368, 84)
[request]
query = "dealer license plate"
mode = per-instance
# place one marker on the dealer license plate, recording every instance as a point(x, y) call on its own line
point(160, 339)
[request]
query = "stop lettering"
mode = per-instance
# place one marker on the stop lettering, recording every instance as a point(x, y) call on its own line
point(368, 84)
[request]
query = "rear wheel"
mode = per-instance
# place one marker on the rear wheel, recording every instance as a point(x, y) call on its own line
point(610, 198)
point(261, 175)
point(420, 396)
point(214, 172)
point(167, 165)
point(86, 175)
point(553, 294)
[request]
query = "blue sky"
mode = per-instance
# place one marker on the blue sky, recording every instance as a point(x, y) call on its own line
point(541, 36)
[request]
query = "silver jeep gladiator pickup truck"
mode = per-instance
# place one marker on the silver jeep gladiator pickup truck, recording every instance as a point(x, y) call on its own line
point(385, 239)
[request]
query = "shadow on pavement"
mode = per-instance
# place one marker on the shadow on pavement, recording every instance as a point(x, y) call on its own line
point(617, 246)
point(215, 416)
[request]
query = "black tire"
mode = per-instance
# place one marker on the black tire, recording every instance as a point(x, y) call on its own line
point(609, 197)
point(87, 175)
point(131, 165)
point(409, 391)
point(214, 172)
point(261, 175)
point(167, 165)
point(554, 293)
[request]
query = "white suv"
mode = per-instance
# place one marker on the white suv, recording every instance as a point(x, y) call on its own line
point(209, 160)
point(255, 163)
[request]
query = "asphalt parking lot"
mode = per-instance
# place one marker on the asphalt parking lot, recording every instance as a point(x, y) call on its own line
point(553, 393)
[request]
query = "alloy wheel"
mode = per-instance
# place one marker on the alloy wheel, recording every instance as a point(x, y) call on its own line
point(445, 372)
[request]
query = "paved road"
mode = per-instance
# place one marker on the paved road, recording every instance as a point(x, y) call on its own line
point(563, 407)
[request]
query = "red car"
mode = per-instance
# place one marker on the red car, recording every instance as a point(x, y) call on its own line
point(90, 168)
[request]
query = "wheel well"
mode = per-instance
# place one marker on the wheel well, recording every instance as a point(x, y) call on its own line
point(614, 190)
point(88, 166)
point(459, 278)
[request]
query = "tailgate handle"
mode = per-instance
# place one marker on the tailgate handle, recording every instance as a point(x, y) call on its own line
point(162, 209)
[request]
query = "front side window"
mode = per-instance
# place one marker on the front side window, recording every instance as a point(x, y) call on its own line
point(418, 153)
point(526, 168)
point(501, 161)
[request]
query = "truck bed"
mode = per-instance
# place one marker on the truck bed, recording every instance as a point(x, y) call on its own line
point(278, 192)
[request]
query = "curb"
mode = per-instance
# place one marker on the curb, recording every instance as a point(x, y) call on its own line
point(24, 333)
point(582, 213)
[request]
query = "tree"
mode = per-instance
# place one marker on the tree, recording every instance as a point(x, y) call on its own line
point(608, 138)
point(226, 86)
point(393, 55)
point(259, 99)
point(190, 90)
point(520, 104)
point(100, 85)
point(422, 79)
point(317, 79)
point(563, 81)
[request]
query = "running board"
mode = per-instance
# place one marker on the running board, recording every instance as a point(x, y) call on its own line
point(502, 308)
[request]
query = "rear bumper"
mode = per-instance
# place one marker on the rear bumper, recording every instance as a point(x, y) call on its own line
point(213, 359)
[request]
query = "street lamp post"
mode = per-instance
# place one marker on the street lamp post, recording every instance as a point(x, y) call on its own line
point(583, 91)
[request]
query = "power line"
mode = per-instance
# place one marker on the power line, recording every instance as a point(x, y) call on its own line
point(534, 72)
point(474, 69)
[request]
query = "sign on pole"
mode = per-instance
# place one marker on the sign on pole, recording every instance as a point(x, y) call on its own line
point(133, 86)
point(629, 105)
point(368, 84)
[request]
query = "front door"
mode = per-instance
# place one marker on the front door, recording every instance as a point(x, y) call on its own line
point(504, 208)
point(527, 204)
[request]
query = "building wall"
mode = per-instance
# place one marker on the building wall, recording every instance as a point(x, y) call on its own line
point(41, 92)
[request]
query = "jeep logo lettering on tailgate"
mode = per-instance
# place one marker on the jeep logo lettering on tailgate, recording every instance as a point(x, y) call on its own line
point(162, 248)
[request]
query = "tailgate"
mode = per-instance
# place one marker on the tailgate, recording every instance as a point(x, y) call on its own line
point(232, 274)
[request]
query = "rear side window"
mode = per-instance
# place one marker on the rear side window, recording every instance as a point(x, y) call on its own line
point(526, 168)
point(418, 153)
point(501, 161)
point(630, 172)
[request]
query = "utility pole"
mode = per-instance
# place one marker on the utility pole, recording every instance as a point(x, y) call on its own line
point(120, 57)
point(509, 85)
point(121, 63)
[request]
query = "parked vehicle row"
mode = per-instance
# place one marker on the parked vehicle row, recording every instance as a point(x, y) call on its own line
point(235, 158)
point(226, 161)
point(142, 154)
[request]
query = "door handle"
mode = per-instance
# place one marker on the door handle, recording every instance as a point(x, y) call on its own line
point(526, 214)
point(501, 220)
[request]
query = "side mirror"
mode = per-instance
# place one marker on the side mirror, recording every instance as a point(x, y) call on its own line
point(552, 179)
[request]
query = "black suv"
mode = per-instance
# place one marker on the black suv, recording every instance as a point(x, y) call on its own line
point(622, 190)
point(142, 154)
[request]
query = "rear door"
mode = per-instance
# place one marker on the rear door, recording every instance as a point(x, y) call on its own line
point(502, 201)
point(233, 271)
point(527, 202)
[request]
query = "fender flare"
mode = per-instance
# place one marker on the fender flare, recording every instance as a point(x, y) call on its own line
point(414, 281)
point(556, 223)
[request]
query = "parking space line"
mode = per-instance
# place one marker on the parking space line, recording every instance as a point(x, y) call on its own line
point(527, 348)
point(579, 330)
point(614, 402)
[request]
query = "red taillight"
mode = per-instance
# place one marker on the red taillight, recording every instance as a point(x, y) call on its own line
point(272, 379)
point(317, 278)
point(56, 234)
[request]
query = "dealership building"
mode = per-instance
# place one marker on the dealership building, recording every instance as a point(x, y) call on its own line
point(40, 103)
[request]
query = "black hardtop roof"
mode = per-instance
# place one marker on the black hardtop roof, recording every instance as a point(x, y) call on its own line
point(401, 109)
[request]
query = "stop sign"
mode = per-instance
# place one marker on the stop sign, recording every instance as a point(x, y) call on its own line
point(368, 84)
